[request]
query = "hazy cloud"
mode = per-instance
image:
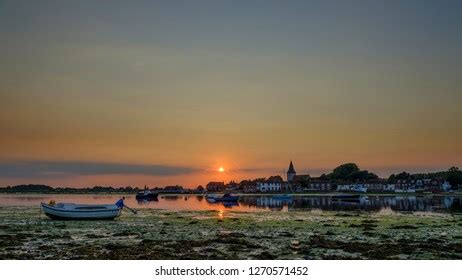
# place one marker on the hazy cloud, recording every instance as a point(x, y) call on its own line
point(255, 169)
point(76, 168)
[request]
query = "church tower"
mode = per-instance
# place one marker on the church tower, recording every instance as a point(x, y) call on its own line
point(291, 172)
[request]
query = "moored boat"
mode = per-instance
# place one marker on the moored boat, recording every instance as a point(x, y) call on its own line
point(225, 198)
point(146, 195)
point(72, 211)
point(286, 197)
point(210, 198)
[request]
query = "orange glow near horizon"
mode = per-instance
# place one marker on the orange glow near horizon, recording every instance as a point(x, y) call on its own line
point(118, 105)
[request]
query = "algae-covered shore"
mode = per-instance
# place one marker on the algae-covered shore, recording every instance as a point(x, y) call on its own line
point(162, 234)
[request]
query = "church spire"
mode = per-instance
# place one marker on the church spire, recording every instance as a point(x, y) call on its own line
point(291, 168)
point(291, 172)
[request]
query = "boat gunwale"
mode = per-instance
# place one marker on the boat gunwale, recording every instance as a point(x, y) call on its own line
point(78, 211)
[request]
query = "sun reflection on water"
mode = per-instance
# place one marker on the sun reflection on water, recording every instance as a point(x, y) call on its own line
point(221, 213)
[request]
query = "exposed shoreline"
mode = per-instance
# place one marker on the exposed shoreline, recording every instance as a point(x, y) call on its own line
point(165, 234)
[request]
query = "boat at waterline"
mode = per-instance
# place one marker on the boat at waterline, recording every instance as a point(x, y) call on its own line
point(225, 198)
point(146, 195)
point(210, 198)
point(286, 197)
point(72, 211)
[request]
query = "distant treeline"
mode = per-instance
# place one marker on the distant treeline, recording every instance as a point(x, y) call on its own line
point(453, 176)
point(344, 172)
point(351, 172)
point(47, 189)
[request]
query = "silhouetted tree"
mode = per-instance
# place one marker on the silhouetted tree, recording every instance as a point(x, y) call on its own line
point(344, 171)
point(403, 176)
point(454, 176)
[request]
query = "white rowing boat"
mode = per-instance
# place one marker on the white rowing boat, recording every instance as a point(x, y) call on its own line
point(72, 211)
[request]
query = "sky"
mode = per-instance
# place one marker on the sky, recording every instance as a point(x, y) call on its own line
point(165, 92)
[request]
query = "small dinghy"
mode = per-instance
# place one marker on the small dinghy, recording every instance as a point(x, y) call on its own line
point(72, 211)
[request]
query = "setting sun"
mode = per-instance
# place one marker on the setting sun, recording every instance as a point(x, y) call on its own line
point(221, 169)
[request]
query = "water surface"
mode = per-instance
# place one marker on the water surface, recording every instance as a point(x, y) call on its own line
point(251, 203)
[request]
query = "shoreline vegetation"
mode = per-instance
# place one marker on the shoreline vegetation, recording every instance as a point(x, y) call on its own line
point(167, 234)
point(457, 193)
point(348, 173)
point(44, 189)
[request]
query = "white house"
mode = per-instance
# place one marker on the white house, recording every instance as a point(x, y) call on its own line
point(389, 188)
point(352, 188)
point(445, 186)
point(405, 190)
point(269, 186)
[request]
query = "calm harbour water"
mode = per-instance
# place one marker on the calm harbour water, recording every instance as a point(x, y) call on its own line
point(251, 203)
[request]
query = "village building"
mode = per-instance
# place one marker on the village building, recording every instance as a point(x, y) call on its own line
point(233, 186)
point(389, 187)
point(320, 185)
point(248, 186)
point(300, 183)
point(305, 183)
point(215, 186)
point(405, 186)
point(273, 184)
point(291, 173)
point(351, 187)
point(437, 185)
point(420, 185)
point(446, 187)
point(375, 185)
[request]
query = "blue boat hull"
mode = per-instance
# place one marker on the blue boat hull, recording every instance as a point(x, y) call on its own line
point(227, 199)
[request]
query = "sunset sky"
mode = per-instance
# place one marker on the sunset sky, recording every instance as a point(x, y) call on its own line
point(166, 92)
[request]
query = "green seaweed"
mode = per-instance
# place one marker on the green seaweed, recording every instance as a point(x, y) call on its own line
point(162, 234)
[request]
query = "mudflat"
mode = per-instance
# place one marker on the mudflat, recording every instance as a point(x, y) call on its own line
point(166, 234)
